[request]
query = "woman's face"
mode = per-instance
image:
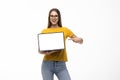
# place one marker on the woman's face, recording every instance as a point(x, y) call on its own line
point(54, 18)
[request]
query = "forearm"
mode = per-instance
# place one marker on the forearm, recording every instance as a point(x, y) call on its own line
point(77, 39)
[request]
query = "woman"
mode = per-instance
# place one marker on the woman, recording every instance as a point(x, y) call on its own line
point(54, 62)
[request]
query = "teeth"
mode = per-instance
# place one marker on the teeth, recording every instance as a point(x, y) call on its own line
point(54, 20)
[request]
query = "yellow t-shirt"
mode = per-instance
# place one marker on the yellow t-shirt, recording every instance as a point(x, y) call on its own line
point(62, 55)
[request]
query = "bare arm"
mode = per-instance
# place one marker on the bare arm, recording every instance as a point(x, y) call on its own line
point(76, 39)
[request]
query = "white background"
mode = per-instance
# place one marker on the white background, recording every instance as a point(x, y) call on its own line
point(96, 21)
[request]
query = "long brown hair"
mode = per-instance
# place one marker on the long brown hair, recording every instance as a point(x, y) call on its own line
point(59, 17)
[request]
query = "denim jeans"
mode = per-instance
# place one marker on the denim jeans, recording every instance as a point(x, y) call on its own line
point(49, 68)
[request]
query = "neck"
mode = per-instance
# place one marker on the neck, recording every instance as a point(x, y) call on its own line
point(54, 26)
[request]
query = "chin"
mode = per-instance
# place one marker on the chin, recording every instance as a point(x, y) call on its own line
point(54, 23)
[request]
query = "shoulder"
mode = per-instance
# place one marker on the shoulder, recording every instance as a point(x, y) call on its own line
point(44, 30)
point(66, 28)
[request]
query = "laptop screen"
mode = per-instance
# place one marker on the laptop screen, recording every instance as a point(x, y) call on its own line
point(51, 41)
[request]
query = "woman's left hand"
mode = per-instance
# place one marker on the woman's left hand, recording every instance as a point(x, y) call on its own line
point(77, 39)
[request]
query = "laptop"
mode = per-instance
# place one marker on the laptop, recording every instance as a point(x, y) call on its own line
point(51, 41)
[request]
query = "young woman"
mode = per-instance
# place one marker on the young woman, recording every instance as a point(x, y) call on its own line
point(54, 62)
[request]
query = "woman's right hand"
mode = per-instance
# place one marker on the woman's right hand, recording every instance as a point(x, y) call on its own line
point(49, 52)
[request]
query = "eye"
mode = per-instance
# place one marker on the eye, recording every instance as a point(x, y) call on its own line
point(53, 15)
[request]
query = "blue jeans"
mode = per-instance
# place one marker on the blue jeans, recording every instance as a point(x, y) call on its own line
point(49, 68)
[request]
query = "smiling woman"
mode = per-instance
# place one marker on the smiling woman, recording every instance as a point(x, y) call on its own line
point(54, 61)
point(54, 18)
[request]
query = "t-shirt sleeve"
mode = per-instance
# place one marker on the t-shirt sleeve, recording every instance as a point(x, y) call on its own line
point(69, 32)
point(43, 31)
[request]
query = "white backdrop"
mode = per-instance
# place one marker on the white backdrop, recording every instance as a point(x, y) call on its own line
point(96, 21)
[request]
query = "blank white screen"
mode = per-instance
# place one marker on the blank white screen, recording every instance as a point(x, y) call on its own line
point(51, 41)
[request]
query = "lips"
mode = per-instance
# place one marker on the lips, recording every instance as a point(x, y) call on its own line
point(53, 20)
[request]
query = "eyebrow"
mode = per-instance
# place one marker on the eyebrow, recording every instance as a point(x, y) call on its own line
point(53, 15)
